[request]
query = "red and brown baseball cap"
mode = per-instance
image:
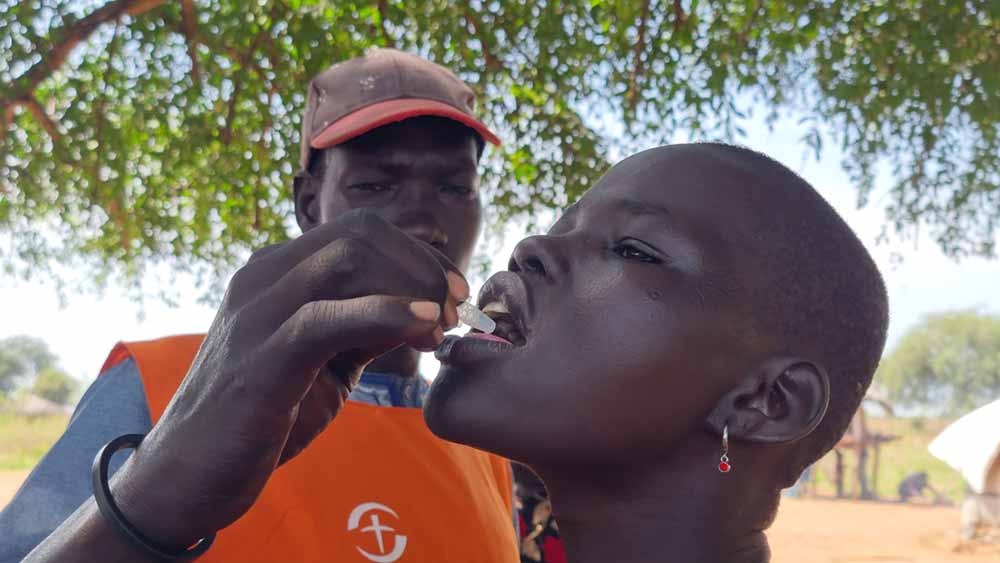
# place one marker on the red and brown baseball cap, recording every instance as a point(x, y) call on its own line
point(384, 86)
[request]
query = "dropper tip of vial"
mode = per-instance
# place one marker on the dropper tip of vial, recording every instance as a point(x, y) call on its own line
point(473, 317)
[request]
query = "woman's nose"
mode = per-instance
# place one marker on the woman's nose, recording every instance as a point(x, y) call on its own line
point(536, 255)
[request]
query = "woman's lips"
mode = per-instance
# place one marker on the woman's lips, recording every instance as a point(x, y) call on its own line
point(484, 336)
point(472, 349)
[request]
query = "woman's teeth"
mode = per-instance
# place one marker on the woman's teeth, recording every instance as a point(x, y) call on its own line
point(495, 307)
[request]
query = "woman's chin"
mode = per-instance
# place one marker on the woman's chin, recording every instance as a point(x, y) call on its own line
point(444, 411)
point(460, 408)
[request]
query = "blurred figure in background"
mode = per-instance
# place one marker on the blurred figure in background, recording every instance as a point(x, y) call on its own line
point(914, 485)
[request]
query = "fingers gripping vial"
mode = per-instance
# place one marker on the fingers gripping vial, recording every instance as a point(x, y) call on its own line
point(472, 316)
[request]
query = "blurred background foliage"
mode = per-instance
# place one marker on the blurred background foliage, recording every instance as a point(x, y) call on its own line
point(138, 133)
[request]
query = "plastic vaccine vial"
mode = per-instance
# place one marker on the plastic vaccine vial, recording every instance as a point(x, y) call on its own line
point(472, 316)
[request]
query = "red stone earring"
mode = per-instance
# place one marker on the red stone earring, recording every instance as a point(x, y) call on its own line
point(724, 465)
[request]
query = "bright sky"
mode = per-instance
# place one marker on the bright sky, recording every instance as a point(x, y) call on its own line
point(83, 332)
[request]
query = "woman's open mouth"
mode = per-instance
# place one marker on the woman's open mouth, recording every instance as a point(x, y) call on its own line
point(508, 329)
point(503, 299)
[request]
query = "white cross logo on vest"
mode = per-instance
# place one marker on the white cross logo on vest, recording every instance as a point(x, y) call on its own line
point(378, 528)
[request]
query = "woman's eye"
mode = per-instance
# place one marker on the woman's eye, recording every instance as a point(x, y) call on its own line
point(370, 187)
point(461, 191)
point(631, 251)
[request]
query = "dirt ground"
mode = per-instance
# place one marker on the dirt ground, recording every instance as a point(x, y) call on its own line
point(816, 530)
point(828, 531)
point(9, 482)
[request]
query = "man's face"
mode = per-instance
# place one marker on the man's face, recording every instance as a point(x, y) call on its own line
point(416, 174)
point(628, 317)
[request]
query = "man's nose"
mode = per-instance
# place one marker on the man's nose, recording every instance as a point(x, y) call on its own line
point(416, 212)
point(422, 224)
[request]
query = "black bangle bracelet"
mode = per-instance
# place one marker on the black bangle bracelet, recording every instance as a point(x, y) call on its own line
point(102, 494)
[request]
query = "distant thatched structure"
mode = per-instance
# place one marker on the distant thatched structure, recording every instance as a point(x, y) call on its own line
point(33, 405)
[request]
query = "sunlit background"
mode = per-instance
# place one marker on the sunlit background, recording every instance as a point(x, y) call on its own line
point(847, 507)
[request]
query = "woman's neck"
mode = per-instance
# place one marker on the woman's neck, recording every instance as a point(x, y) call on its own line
point(661, 511)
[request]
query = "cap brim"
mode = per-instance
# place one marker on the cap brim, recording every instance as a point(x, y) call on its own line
point(391, 111)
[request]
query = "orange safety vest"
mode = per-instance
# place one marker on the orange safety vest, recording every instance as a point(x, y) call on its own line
point(375, 486)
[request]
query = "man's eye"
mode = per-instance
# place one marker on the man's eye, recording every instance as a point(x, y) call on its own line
point(462, 191)
point(631, 251)
point(369, 187)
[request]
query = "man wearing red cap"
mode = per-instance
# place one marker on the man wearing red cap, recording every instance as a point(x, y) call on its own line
point(324, 326)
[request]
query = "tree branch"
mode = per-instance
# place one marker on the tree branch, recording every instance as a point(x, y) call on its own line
point(42, 117)
point(748, 25)
point(114, 210)
point(99, 106)
point(6, 117)
point(383, 12)
point(227, 131)
point(244, 60)
point(189, 25)
point(492, 62)
point(22, 92)
point(68, 38)
point(640, 46)
point(141, 6)
point(274, 59)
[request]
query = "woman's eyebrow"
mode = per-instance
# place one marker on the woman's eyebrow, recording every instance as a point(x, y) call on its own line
point(640, 207)
point(634, 207)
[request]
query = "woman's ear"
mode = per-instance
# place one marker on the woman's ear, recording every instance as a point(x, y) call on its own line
point(780, 403)
point(306, 191)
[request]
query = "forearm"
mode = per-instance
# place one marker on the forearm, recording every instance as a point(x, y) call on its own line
point(87, 536)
